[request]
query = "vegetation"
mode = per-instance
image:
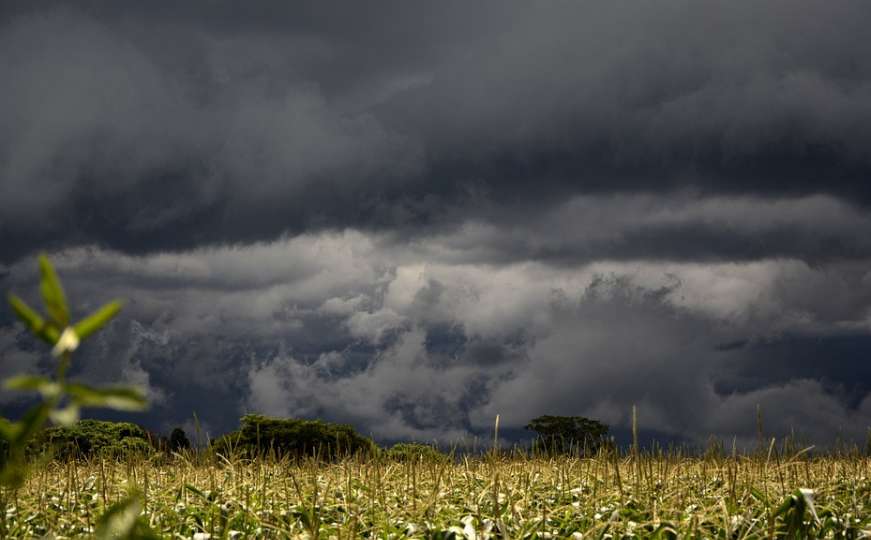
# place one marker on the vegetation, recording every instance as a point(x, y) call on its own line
point(278, 478)
point(260, 435)
point(93, 438)
point(63, 399)
point(178, 440)
point(607, 495)
point(568, 435)
point(415, 452)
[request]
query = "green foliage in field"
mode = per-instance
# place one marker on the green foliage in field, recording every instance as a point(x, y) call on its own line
point(88, 438)
point(568, 434)
point(259, 435)
point(494, 496)
point(404, 452)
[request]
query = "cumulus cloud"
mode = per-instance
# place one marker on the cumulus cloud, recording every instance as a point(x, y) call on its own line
point(436, 350)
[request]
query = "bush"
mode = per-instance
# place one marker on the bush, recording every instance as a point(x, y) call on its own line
point(260, 435)
point(88, 438)
point(415, 452)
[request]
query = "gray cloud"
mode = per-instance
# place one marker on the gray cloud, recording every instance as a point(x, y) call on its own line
point(366, 333)
point(146, 129)
point(415, 217)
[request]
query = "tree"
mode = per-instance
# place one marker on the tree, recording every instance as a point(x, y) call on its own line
point(88, 438)
point(293, 437)
point(413, 451)
point(568, 434)
point(178, 440)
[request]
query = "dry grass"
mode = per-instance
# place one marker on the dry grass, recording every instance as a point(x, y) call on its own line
point(664, 495)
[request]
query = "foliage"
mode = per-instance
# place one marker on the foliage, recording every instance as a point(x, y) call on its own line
point(568, 434)
point(415, 452)
point(124, 520)
point(260, 435)
point(62, 400)
point(4, 449)
point(178, 440)
point(663, 495)
point(93, 438)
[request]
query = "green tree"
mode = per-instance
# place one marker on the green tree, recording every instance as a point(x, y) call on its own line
point(567, 434)
point(93, 437)
point(413, 451)
point(178, 440)
point(292, 436)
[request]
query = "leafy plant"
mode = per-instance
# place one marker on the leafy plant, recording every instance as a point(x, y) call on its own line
point(62, 400)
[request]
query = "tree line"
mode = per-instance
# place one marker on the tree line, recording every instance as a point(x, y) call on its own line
point(261, 435)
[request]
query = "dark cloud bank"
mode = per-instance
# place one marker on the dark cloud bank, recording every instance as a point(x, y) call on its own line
point(413, 217)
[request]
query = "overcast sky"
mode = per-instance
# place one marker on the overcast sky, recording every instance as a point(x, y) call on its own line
point(412, 217)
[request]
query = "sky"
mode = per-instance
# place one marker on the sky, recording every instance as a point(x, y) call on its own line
point(413, 217)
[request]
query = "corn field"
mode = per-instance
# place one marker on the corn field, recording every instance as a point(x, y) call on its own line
point(511, 496)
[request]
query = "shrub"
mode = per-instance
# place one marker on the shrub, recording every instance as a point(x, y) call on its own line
point(88, 438)
point(415, 452)
point(293, 437)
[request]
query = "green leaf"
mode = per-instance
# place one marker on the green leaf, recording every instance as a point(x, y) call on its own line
point(67, 416)
point(30, 423)
point(33, 321)
point(758, 495)
point(198, 492)
point(53, 293)
point(8, 429)
point(46, 387)
point(119, 521)
point(27, 314)
point(119, 398)
point(122, 521)
point(788, 503)
point(14, 471)
point(97, 320)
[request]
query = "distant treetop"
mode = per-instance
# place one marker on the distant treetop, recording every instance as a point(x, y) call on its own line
point(568, 434)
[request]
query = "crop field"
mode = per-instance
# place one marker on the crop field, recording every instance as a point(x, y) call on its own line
point(662, 495)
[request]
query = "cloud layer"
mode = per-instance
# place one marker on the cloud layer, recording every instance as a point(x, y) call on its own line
point(169, 128)
point(354, 328)
point(413, 218)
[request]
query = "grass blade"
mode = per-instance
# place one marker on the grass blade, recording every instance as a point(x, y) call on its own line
point(53, 293)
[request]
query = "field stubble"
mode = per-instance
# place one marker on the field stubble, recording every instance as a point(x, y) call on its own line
point(665, 495)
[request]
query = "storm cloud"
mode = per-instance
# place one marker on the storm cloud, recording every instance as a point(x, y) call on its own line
point(414, 217)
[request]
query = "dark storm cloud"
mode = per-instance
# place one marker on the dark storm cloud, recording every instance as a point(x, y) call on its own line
point(404, 349)
point(413, 217)
point(164, 126)
point(679, 227)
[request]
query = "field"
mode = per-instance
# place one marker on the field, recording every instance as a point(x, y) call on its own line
point(663, 495)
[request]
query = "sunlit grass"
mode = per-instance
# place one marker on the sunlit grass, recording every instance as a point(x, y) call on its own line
point(504, 496)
